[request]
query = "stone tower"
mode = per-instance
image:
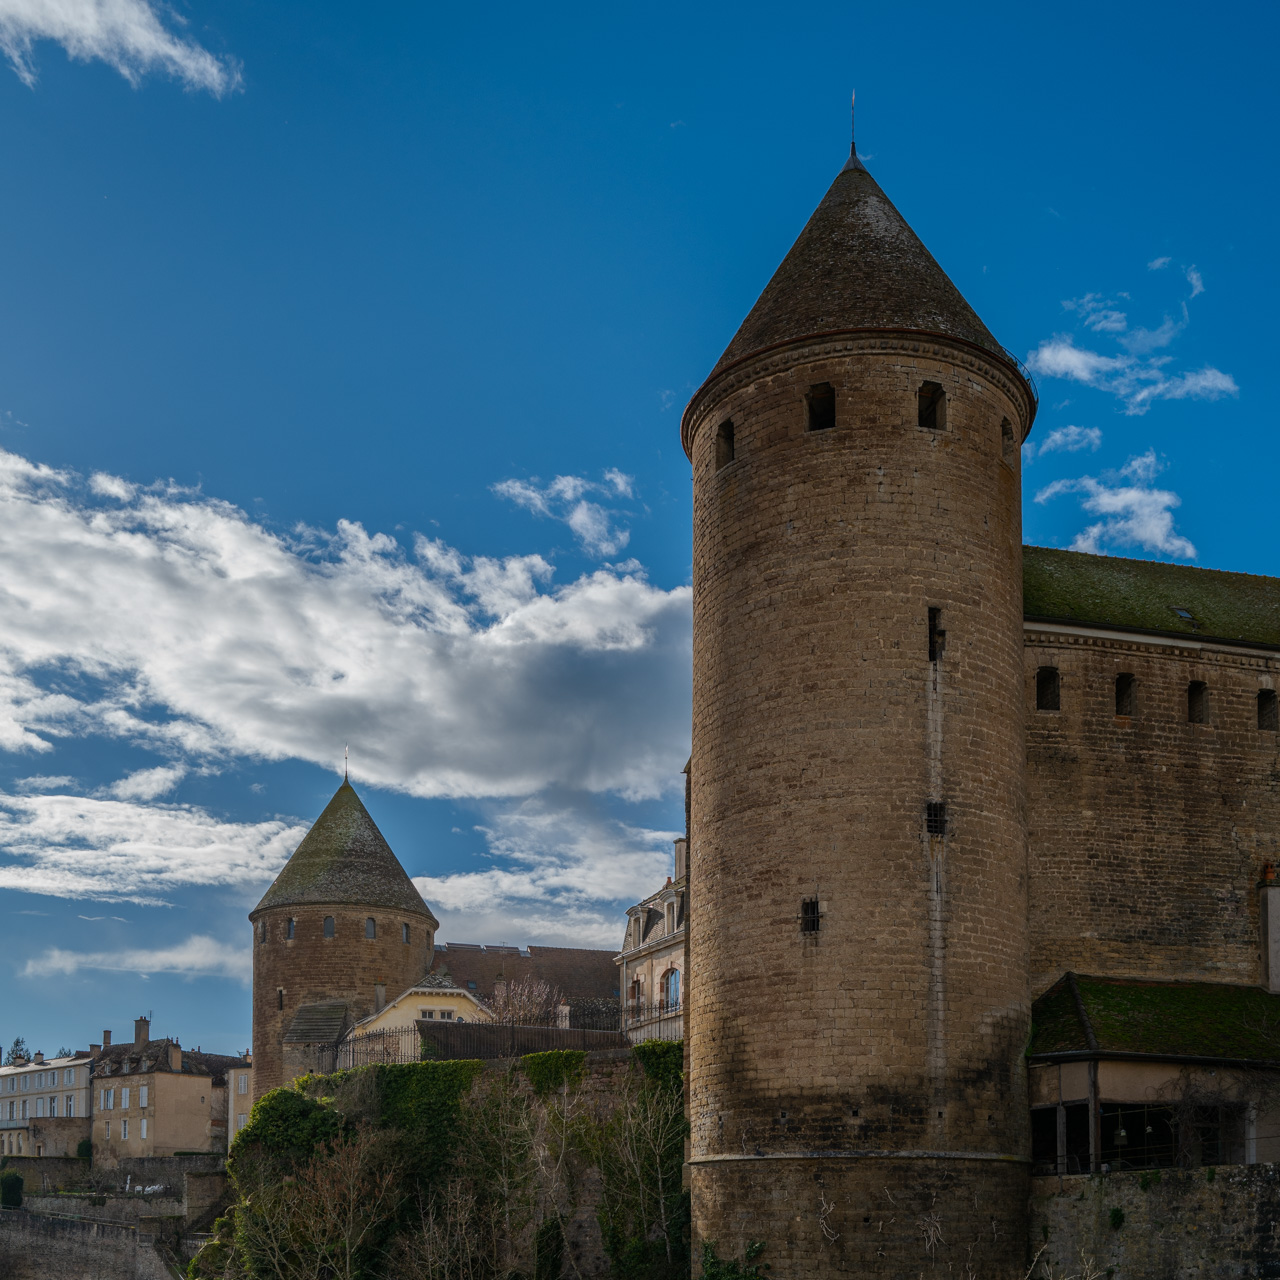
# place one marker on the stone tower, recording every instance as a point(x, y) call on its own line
point(859, 1008)
point(341, 930)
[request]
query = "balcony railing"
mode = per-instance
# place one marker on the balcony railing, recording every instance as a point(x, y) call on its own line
point(653, 1020)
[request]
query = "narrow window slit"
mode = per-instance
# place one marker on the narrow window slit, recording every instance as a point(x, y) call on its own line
point(1124, 693)
point(1008, 442)
point(931, 406)
point(822, 406)
point(724, 445)
point(1048, 690)
point(1268, 715)
point(1198, 702)
point(937, 637)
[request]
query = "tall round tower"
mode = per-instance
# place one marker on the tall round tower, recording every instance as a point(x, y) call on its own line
point(859, 1007)
point(341, 929)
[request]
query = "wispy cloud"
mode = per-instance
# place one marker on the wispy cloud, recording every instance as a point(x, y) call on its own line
point(127, 35)
point(1068, 439)
point(1134, 514)
point(198, 956)
point(1133, 374)
point(121, 851)
point(566, 499)
point(556, 874)
point(148, 784)
point(173, 621)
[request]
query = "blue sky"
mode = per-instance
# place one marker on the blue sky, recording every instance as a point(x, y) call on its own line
point(342, 353)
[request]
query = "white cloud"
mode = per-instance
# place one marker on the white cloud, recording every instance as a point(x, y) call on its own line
point(172, 620)
point(559, 876)
point(198, 956)
point(1134, 514)
point(1195, 280)
point(128, 35)
point(1158, 264)
point(148, 784)
point(1098, 313)
point(1138, 383)
point(565, 499)
point(1070, 439)
point(47, 782)
point(121, 851)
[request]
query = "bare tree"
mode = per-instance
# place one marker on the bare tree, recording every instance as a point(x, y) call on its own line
point(525, 1000)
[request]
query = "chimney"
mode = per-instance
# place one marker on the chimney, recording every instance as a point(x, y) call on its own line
point(106, 1039)
point(39, 1057)
point(175, 1056)
point(141, 1031)
point(95, 1051)
point(682, 855)
point(379, 996)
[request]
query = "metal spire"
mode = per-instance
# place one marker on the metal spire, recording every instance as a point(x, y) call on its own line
point(853, 162)
point(346, 762)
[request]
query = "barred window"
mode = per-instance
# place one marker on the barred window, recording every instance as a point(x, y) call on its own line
point(935, 818)
point(810, 916)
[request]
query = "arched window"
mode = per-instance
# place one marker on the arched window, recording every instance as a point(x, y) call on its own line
point(1048, 690)
point(1198, 702)
point(370, 928)
point(671, 988)
point(1125, 685)
point(292, 925)
point(404, 934)
point(328, 927)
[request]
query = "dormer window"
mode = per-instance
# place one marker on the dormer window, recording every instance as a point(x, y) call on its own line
point(822, 406)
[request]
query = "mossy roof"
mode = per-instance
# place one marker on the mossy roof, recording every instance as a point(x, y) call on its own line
point(344, 860)
point(1143, 595)
point(1088, 1015)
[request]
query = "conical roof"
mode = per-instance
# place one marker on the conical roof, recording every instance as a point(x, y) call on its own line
point(856, 265)
point(344, 860)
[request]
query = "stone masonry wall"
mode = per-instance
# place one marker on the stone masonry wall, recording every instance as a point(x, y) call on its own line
point(1148, 834)
point(1193, 1224)
point(883, 1054)
point(39, 1248)
point(310, 968)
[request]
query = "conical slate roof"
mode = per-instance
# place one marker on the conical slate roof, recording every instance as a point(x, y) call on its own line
point(856, 265)
point(344, 860)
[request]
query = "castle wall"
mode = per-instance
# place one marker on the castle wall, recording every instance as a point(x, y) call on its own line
point(878, 1061)
point(1148, 834)
point(310, 967)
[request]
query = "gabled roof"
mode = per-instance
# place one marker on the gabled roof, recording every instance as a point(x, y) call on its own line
point(344, 860)
point(577, 973)
point(1083, 1016)
point(856, 265)
point(153, 1056)
point(1144, 595)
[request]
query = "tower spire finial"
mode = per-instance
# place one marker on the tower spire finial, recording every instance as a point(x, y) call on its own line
point(853, 161)
point(346, 762)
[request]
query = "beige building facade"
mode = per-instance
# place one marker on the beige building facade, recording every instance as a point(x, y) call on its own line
point(44, 1106)
point(652, 962)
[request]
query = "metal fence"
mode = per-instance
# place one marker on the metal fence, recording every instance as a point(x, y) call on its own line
point(660, 1020)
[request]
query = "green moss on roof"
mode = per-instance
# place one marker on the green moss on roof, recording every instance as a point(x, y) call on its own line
point(1072, 586)
point(1168, 1019)
point(344, 860)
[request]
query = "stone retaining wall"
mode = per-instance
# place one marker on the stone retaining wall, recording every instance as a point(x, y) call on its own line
point(33, 1247)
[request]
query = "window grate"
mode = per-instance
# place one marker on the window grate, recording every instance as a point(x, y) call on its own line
point(935, 818)
point(810, 916)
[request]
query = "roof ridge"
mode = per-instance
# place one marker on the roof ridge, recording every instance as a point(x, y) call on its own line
point(1172, 564)
point(1081, 1012)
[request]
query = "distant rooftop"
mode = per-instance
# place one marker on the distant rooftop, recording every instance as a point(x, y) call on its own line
point(576, 972)
point(1150, 596)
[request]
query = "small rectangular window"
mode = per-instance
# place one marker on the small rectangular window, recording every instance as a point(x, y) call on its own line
point(242, 1085)
point(124, 1130)
point(724, 445)
point(931, 406)
point(1198, 702)
point(289, 931)
point(279, 997)
point(1048, 690)
point(404, 934)
point(810, 916)
point(328, 926)
point(108, 1128)
point(1008, 441)
point(262, 932)
point(937, 637)
point(1124, 694)
point(124, 1099)
point(370, 928)
point(935, 818)
point(822, 406)
point(70, 1108)
point(143, 1132)
point(142, 1095)
point(1268, 718)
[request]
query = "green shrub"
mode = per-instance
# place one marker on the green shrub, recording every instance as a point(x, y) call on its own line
point(1149, 1179)
point(84, 1149)
point(662, 1061)
point(716, 1268)
point(286, 1125)
point(550, 1071)
point(1210, 1173)
point(11, 1190)
point(1117, 1218)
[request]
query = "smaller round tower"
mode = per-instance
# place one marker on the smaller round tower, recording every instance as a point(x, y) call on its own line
point(341, 930)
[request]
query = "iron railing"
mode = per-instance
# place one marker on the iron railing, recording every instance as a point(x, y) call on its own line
point(657, 1020)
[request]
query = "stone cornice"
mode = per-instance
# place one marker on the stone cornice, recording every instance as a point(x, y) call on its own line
point(1242, 652)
